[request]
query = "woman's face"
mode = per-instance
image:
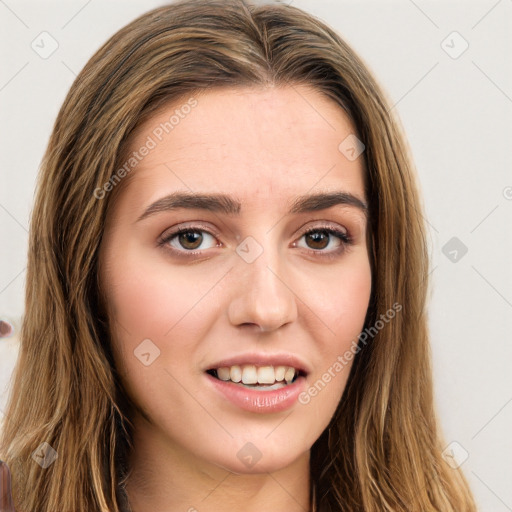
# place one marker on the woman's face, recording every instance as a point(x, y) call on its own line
point(260, 277)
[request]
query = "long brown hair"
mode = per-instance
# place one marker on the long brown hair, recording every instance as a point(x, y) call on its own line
point(382, 448)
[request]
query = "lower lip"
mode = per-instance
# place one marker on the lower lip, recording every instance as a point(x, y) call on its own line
point(260, 401)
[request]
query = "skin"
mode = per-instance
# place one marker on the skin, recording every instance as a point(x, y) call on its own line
point(263, 146)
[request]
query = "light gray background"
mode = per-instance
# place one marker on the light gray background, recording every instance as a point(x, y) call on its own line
point(457, 114)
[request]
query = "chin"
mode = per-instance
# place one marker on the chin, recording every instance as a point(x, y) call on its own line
point(260, 455)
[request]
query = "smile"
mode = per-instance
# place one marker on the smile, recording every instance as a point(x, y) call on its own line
point(261, 377)
point(256, 396)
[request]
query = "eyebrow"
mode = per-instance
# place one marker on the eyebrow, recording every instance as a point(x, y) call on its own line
point(222, 203)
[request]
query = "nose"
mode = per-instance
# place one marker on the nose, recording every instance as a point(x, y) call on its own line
point(262, 297)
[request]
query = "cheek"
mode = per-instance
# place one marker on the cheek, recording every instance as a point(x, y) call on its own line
point(147, 294)
point(341, 305)
point(149, 299)
point(152, 319)
point(341, 301)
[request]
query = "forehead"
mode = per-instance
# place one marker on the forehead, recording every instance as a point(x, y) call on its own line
point(257, 143)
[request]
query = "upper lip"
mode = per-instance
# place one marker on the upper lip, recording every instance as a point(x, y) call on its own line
point(263, 359)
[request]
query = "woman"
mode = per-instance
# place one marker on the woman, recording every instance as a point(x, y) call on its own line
point(283, 364)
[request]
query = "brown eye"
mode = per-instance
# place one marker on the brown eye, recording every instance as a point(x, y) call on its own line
point(190, 239)
point(317, 239)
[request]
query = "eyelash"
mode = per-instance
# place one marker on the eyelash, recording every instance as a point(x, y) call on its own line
point(345, 238)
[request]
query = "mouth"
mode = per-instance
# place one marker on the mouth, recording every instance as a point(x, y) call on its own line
point(260, 378)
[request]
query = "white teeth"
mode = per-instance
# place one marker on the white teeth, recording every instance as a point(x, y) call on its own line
point(252, 374)
point(280, 372)
point(288, 376)
point(249, 374)
point(235, 373)
point(223, 373)
point(266, 375)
